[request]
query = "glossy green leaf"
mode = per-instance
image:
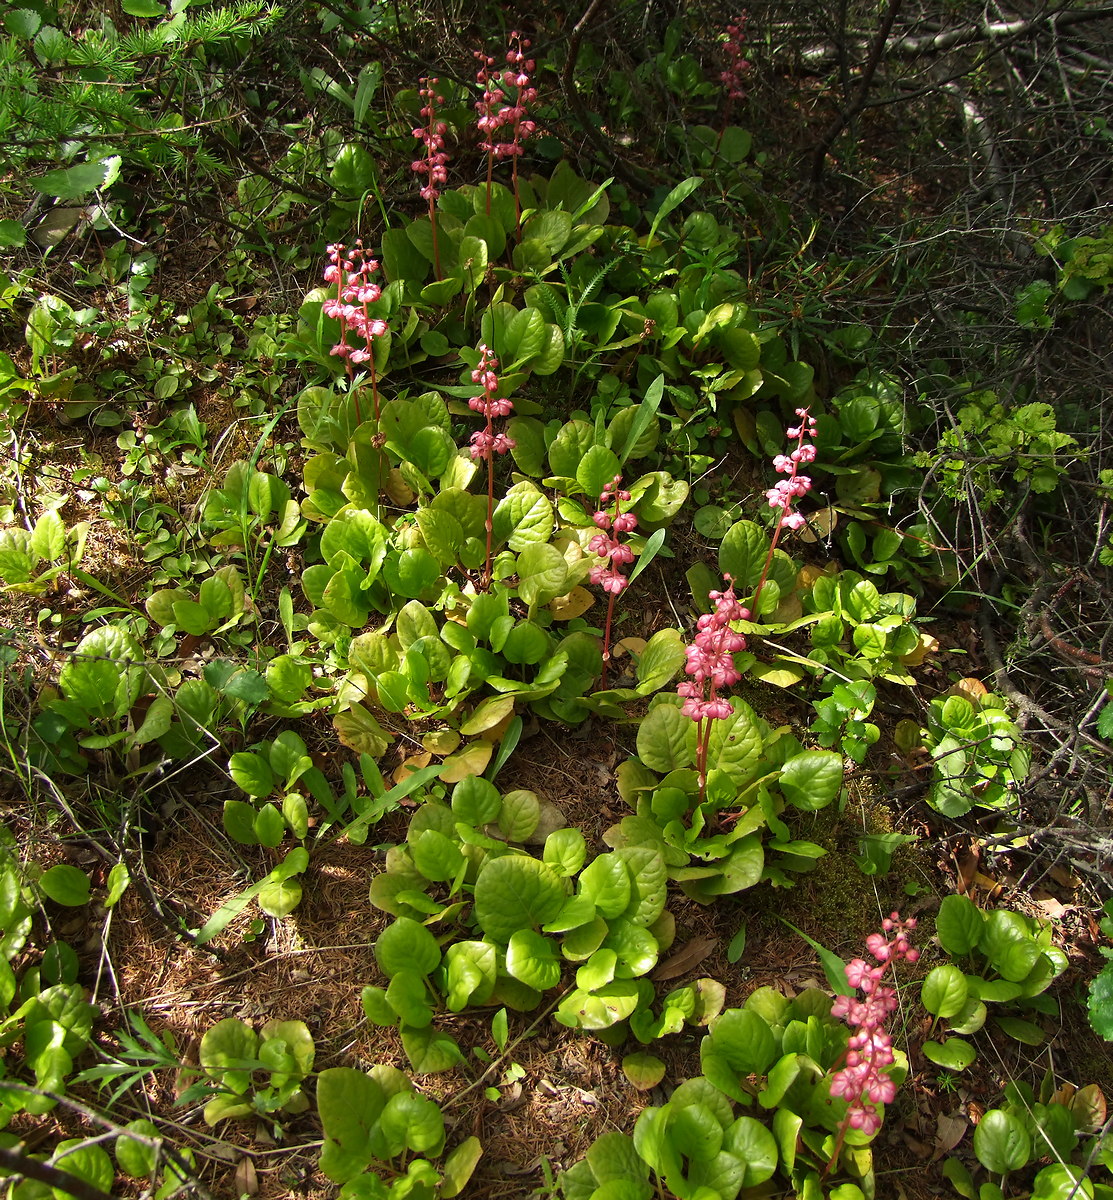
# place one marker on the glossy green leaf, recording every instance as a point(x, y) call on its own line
point(516, 892)
point(65, 885)
point(430, 1050)
point(533, 960)
point(1001, 1142)
point(953, 1054)
point(349, 1103)
point(944, 991)
point(407, 945)
point(663, 738)
point(812, 779)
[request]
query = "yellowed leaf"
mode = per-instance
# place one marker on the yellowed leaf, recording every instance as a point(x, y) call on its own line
point(414, 763)
point(441, 741)
point(780, 675)
point(575, 604)
point(629, 645)
point(488, 714)
point(472, 760)
point(789, 609)
point(808, 575)
point(819, 525)
point(969, 689)
point(927, 645)
point(497, 732)
point(398, 490)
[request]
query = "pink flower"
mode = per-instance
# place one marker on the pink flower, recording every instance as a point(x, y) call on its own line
point(607, 545)
point(861, 1080)
point(733, 78)
point(495, 109)
point(609, 579)
point(354, 292)
point(434, 165)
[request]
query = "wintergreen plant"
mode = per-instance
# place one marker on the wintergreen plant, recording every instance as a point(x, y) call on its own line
point(433, 167)
point(615, 554)
point(232, 1053)
point(1008, 960)
point(1064, 1124)
point(978, 753)
point(376, 1121)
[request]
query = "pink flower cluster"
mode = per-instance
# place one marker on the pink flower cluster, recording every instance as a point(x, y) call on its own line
point(861, 1081)
point(485, 442)
point(607, 545)
point(788, 491)
point(496, 109)
point(733, 78)
point(354, 292)
point(710, 658)
point(434, 165)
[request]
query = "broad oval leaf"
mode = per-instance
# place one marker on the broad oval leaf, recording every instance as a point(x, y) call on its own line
point(516, 892)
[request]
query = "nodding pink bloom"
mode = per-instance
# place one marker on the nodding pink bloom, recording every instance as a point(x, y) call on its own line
point(861, 1080)
point(787, 491)
point(709, 660)
point(506, 106)
point(350, 272)
point(434, 165)
point(610, 579)
point(486, 442)
point(734, 77)
point(606, 545)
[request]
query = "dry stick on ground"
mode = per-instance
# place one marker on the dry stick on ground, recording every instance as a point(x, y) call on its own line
point(16, 1163)
point(868, 72)
point(184, 1168)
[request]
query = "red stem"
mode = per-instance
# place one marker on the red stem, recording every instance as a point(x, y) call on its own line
point(436, 249)
point(485, 582)
point(607, 639)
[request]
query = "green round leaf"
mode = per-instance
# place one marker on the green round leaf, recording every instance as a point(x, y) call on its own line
point(135, 1158)
point(606, 883)
point(565, 851)
point(643, 1070)
point(516, 892)
point(944, 991)
point(89, 1163)
point(959, 925)
point(750, 1141)
point(410, 1121)
point(65, 885)
point(436, 856)
point(1001, 1142)
point(596, 471)
point(476, 801)
point(812, 779)
point(663, 738)
point(1101, 1004)
point(407, 945)
point(953, 1054)
point(532, 959)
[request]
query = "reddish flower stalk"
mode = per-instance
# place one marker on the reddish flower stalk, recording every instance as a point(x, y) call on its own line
point(737, 68)
point(607, 546)
point(485, 443)
point(788, 491)
point(354, 292)
point(710, 663)
point(861, 1080)
point(433, 165)
point(507, 105)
